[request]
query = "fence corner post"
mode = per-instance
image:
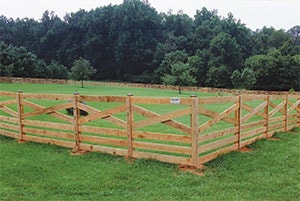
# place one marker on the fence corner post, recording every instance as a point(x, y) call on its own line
point(129, 125)
point(195, 130)
point(20, 116)
point(267, 108)
point(286, 114)
point(238, 117)
point(76, 116)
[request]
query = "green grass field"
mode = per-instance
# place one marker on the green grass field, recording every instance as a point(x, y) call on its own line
point(32, 171)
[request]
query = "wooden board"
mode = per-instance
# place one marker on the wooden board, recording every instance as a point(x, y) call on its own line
point(217, 144)
point(162, 147)
point(163, 158)
point(48, 133)
point(162, 136)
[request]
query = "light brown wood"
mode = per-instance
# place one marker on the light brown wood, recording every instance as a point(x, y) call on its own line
point(217, 144)
point(9, 134)
point(8, 94)
point(43, 124)
point(9, 126)
point(102, 149)
point(162, 136)
point(213, 155)
point(103, 140)
point(213, 114)
point(250, 109)
point(215, 100)
point(162, 147)
point(276, 119)
point(102, 114)
point(9, 111)
point(48, 133)
point(47, 96)
point(153, 100)
point(253, 125)
point(162, 118)
point(250, 141)
point(106, 99)
point(253, 132)
point(106, 131)
point(294, 106)
point(8, 102)
point(277, 108)
point(8, 119)
point(170, 122)
point(217, 134)
point(218, 118)
point(61, 143)
point(195, 132)
point(163, 158)
point(253, 112)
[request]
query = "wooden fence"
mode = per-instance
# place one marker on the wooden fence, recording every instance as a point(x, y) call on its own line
point(188, 131)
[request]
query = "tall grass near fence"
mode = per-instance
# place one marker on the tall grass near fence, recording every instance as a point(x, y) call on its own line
point(177, 130)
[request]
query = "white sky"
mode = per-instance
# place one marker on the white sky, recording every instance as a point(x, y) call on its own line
point(280, 14)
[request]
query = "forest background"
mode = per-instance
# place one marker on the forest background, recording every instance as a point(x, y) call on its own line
point(132, 42)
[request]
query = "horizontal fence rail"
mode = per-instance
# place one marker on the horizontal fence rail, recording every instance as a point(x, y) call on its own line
point(188, 131)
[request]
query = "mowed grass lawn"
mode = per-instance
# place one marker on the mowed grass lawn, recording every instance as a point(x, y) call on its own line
point(32, 171)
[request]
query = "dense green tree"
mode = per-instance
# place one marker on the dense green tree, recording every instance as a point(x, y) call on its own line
point(218, 77)
point(180, 75)
point(82, 70)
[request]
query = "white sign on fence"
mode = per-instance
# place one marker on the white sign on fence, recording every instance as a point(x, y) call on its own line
point(175, 100)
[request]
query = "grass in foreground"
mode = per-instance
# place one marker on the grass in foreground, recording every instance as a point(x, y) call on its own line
point(33, 171)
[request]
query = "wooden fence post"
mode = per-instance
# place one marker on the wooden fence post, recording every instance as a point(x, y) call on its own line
point(195, 131)
point(76, 115)
point(129, 125)
point(267, 115)
point(286, 113)
point(20, 116)
point(238, 117)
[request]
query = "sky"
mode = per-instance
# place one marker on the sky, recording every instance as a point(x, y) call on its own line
point(255, 14)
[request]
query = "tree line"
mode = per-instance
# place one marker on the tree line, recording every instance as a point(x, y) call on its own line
point(132, 42)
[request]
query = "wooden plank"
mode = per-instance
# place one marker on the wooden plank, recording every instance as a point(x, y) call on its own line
point(8, 102)
point(250, 141)
point(171, 122)
point(213, 114)
point(116, 121)
point(9, 134)
point(253, 132)
point(47, 96)
point(255, 111)
point(253, 124)
point(9, 126)
point(162, 136)
point(54, 113)
point(215, 100)
point(103, 140)
point(162, 118)
point(9, 119)
point(106, 131)
point(87, 108)
point(43, 140)
point(107, 150)
point(253, 97)
point(44, 110)
point(217, 134)
point(162, 158)
point(217, 144)
point(250, 109)
point(277, 126)
point(276, 119)
point(211, 156)
point(8, 94)
point(154, 100)
point(277, 108)
point(162, 147)
point(48, 133)
point(106, 99)
point(43, 124)
point(9, 111)
point(102, 114)
point(294, 106)
point(218, 118)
